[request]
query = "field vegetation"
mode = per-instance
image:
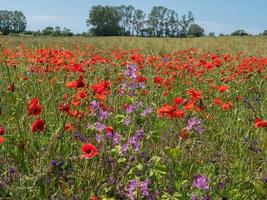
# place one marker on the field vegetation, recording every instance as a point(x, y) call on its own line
point(133, 118)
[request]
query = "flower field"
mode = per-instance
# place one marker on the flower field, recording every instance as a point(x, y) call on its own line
point(82, 122)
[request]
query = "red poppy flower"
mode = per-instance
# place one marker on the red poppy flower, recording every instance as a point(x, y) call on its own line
point(166, 109)
point(68, 127)
point(101, 88)
point(34, 108)
point(76, 84)
point(217, 101)
point(75, 102)
point(94, 197)
point(2, 139)
point(63, 107)
point(2, 130)
point(189, 105)
point(227, 105)
point(88, 151)
point(222, 88)
point(194, 94)
point(178, 114)
point(76, 68)
point(108, 129)
point(260, 123)
point(38, 125)
point(158, 80)
point(178, 100)
point(140, 79)
point(81, 94)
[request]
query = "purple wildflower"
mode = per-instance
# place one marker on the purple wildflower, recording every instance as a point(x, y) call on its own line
point(131, 71)
point(99, 126)
point(190, 123)
point(78, 136)
point(130, 109)
point(124, 147)
point(102, 115)
point(132, 85)
point(131, 94)
point(135, 145)
point(98, 138)
point(200, 182)
point(194, 197)
point(198, 129)
point(146, 111)
point(95, 105)
point(220, 185)
point(116, 138)
point(206, 197)
point(194, 124)
point(140, 133)
point(53, 163)
point(164, 59)
point(109, 134)
point(12, 170)
point(134, 140)
point(144, 188)
point(141, 85)
point(131, 187)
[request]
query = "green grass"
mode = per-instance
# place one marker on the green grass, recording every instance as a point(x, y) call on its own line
point(248, 45)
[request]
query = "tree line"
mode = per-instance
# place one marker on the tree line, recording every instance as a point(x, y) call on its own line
point(128, 21)
point(12, 22)
point(118, 21)
point(52, 31)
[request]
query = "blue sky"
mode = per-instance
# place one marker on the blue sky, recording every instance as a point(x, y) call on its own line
point(219, 16)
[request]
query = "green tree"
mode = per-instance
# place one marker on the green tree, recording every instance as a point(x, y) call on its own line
point(264, 33)
point(173, 24)
point(185, 22)
point(127, 14)
point(18, 22)
point(156, 20)
point(139, 22)
point(239, 33)
point(195, 30)
point(48, 30)
point(12, 22)
point(211, 34)
point(57, 31)
point(66, 32)
point(104, 21)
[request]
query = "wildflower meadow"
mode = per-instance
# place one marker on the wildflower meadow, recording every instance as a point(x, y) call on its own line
point(133, 119)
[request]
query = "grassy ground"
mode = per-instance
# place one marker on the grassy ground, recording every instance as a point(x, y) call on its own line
point(248, 45)
point(167, 118)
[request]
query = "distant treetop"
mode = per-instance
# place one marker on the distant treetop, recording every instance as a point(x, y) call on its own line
point(12, 22)
point(128, 21)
